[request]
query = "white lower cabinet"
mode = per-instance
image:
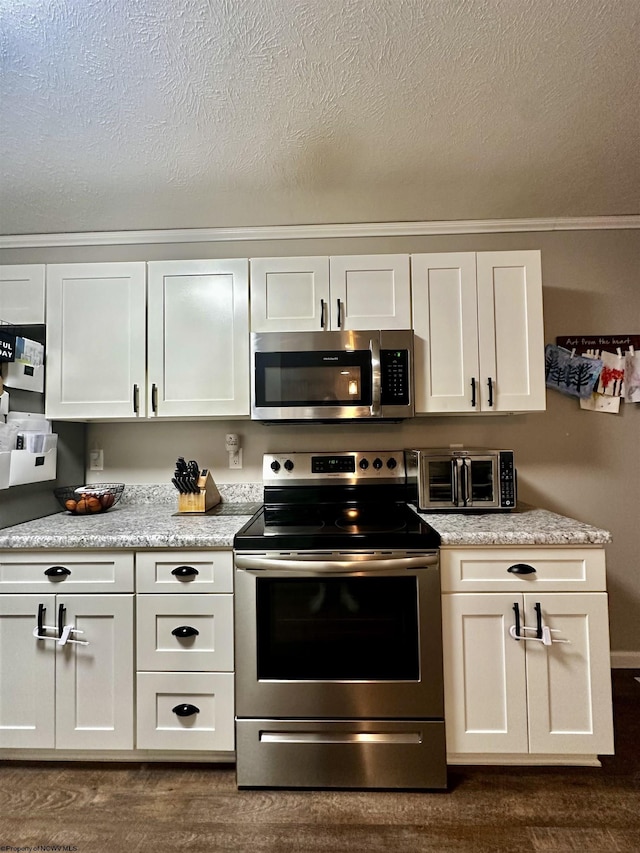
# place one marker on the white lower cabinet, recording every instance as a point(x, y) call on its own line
point(73, 696)
point(185, 657)
point(527, 669)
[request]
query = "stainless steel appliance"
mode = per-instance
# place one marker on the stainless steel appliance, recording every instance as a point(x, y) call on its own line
point(459, 479)
point(338, 629)
point(322, 376)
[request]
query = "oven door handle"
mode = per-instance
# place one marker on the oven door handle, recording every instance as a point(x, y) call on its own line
point(323, 567)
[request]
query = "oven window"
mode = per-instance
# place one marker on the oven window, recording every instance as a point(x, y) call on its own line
point(481, 480)
point(440, 481)
point(337, 628)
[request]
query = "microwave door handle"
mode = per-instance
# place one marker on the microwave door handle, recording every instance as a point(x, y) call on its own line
point(376, 381)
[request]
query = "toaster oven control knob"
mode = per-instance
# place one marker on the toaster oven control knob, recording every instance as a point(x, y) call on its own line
point(364, 464)
point(377, 463)
point(391, 463)
point(288, 465)
point(275, 466)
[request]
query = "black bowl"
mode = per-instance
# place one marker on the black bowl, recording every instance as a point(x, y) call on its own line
point(89, 499)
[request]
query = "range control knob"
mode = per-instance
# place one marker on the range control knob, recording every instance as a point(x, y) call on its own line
point(364, 464)
point(275, 466)
point(377, 463)
point(391, 463)
point(288, 465)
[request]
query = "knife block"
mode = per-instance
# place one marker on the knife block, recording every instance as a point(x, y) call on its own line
point(207, 496)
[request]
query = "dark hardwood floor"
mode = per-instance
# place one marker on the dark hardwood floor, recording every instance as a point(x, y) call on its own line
point(93, 808)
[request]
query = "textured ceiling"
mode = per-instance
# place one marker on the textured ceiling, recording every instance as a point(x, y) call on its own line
point(142, 114)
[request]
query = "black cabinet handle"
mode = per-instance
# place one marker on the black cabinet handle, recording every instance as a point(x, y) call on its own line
point(322, 313)
point(185, 631)
point(154, 398)
point(61, 611)
point(136, 399)
point(473, 392)
point(490, 384)
point(41, 611)
point(184, 572)
point(339, 320)
point(521, 569)
point(57, 572)
point(185, 710)
point(538, 610)
point(516, 610)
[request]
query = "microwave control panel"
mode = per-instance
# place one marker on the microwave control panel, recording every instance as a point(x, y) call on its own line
point(394, 373)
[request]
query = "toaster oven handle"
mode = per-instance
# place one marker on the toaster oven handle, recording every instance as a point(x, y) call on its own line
point(376, 378)
point(465, 477)
point(364, 564)
point(455, 491)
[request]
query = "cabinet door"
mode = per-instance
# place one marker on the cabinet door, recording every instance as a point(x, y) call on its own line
point(198, 338)
point(22, 293)
point(289, 294)
point(370, 292)
point(511, 336)
point(95, 341)
point(484, 675)
point(569, 684)
point(94, 683)
point(446, 332)
point(27, 673)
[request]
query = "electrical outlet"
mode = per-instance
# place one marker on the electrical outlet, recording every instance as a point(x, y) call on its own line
point(235, 459)
point(96, 460)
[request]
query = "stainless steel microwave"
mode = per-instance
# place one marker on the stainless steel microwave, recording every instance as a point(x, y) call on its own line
point(459, 479)
point(326, 376)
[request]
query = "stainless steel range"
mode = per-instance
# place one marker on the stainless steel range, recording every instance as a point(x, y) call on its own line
point(338, 629)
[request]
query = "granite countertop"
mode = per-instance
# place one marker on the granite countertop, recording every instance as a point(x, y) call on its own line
point(527, 525)
point(146, 517)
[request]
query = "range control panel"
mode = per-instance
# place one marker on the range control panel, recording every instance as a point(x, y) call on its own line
point(346, 466)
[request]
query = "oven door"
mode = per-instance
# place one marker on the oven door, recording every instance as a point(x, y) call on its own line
point(354, 636)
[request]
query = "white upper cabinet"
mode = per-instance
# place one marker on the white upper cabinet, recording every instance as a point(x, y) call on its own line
point(370, 292)
point(198, 338)
point(479, 342)
point(350, 292)
point(289, 294)
point(95, 341)
point(22, 293)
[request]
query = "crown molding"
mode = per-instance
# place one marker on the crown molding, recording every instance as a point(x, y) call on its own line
point(300, 232)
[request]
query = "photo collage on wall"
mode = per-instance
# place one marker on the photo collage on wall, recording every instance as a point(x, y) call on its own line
point(599, 370)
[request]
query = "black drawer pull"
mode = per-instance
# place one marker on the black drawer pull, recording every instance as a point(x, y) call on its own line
point(57, 572)
point(185, 631)
point(184, 572)
point(521, 569)
point(185, 710)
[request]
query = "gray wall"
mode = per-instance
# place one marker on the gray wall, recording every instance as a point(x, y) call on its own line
point(582, 464)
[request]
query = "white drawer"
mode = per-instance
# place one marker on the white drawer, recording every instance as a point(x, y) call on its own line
point(502, 569)
point(210, 728)
point(211, 648)
point(184, 571)
point(66, 571)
